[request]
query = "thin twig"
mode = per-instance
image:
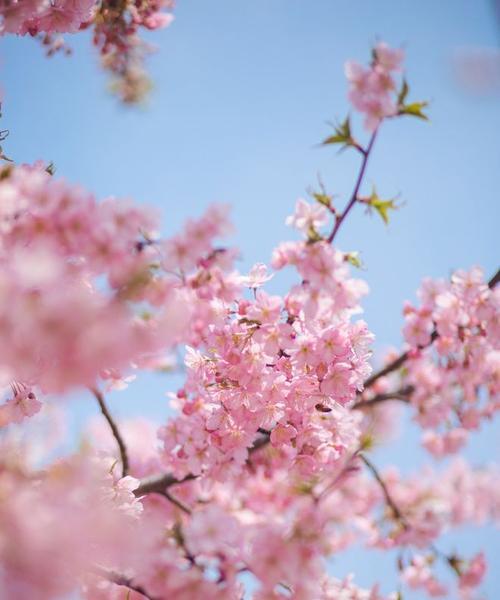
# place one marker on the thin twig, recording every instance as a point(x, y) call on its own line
point(388, 498)
point(494, 280)
point(348, 467)
point(403, 395)
point(354, 197)
point(114, 430)
point(174, 500)
point(119, 579)
point(160, 483)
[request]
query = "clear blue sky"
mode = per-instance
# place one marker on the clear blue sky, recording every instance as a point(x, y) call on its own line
point(242, 94)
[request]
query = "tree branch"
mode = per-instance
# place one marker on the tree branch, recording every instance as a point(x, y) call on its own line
point(494, 280)
point(119, 579)
point(388, 498)
point(174, 500)
point(160, 483)
point(357, 186)
point(114, 430)
point(402, 395)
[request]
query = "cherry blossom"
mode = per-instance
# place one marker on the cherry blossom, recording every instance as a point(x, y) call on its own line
point(115, 27)
point(264, 472)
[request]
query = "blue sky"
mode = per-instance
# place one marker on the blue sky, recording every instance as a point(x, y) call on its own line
point(242, 95)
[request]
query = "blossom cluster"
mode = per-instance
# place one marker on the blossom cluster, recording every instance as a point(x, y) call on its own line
point(456, 380)
point(279, 525)
point(33, 16)
point(264, 471)
point(61, 522)
point(285, 365)
point(372, 89)
point(75, 278)
point(116, 27)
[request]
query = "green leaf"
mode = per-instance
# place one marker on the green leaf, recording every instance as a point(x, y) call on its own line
point(354, 259)
point(313, 236)
point(414, 109)
point(342, 134)
point(381, 206)
point(323, 198)
point(403, 92)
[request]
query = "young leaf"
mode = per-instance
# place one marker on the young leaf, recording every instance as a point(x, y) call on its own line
point(381, 206)
point(342, 134)
point(323, 198)
point(414, 109)
point(354, 259)
point(313, 236)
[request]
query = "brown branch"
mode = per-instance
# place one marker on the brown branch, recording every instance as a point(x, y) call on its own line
point(174, 500)
point(114, 430)
point(119, 579)
point(494, 280)
point(388, 498)
point(160, 483)
point(402, 395)
point(354, 197)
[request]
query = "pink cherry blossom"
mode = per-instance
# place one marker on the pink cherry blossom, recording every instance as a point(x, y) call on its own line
point(257, 277)
point(307, 216)
point(262, 473)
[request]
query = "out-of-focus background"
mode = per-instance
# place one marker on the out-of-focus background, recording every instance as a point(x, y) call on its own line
point(243, 92)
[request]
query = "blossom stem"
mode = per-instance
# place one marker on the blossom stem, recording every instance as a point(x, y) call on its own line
point(114, 430)
point(388, 498)
point(160, 483)
point(119, 579)
point(403, 395)
point(174, 500)
point(339, 219)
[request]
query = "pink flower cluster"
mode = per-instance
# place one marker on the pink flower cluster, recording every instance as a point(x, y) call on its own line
point(116, 36)
point(456, 380)
point(264, 473)
point(72, 272)
point(289, 365)
point(34, 16)
point(372, 89)
point(115, 32)
point(280, 524)
point(419, 575)
point(59, 524)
